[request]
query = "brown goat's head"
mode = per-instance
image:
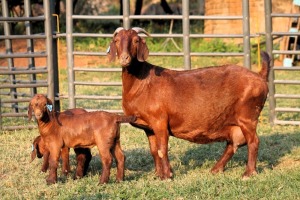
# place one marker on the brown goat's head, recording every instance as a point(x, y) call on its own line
point(38, 148)
point(39, 105)
point(127, 45)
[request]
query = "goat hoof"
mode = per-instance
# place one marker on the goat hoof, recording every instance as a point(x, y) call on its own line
point(77, 176)
point(65, 173)
point(216, 170)
point(50, 182)
point(247, 175)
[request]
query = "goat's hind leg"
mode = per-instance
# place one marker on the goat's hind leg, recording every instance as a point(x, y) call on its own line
point(83, 158)
point(120, 161)
point(235, 138)
point(227, 155)
point(252, 143)
point(106, 159)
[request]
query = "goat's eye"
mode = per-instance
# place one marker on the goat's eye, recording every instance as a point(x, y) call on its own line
point(116, 40)
point(136, 41)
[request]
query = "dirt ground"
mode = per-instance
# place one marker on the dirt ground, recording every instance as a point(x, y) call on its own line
point(20, 46)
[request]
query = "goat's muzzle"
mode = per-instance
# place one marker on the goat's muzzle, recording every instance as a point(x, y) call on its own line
point(38, 114)
point(125, 59)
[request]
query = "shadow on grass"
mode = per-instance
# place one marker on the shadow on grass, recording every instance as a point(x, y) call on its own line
point(272, 148)
point(138, 160)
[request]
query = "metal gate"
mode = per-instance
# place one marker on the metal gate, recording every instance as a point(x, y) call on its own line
point(100, 99)
point(126, 19)
point(277, 107)
point(20, 83)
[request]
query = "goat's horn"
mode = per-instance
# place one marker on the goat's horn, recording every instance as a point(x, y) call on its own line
point(140, 30)
point(118, 30)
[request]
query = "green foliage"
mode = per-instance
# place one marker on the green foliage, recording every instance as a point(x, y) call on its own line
point(91, 44)
point(215, 45)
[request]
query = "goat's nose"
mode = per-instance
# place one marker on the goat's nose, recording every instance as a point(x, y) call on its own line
point(38, 114)
point(125, 59)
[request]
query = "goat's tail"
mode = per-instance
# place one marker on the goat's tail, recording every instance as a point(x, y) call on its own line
point(264, 72)
point(126, 119)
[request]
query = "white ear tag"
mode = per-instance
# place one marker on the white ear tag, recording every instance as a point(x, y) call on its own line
point(32, 147)
point(49, 107)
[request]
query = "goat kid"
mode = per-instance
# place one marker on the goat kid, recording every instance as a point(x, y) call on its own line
point(83, 155)
point(101, 129)
point(205, 105)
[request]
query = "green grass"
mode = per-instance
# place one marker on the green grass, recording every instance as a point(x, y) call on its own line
point(278, 161)
point(278, 166)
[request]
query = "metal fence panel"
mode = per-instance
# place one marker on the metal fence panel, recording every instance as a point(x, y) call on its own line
point(20, 83)
point(13, 94)
point(126, 20)
point(274, 109)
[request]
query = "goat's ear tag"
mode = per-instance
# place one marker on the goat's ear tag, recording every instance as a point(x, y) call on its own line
point(32, 147)
point(49, 107)
point(108, 49)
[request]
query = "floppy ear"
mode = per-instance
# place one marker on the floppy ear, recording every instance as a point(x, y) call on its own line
point(49, 107)
point(29, 112)
point(142, 51)
point(111, 51)
point(33, 152)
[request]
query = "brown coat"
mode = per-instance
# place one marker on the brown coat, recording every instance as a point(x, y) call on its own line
point(101, 129)
point(205, 105)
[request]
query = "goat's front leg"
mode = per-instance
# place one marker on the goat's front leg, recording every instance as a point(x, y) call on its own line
point(154, 153)
point(162, 139)
point(65, 160)
point(45, 165)
point(53, 164)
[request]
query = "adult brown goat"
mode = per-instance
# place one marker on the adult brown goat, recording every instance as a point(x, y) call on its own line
point(203, 105)
point(83, 155)
point(101, 129)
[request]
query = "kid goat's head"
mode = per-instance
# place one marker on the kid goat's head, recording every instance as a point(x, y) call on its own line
point(39, 105)
point(128, 46)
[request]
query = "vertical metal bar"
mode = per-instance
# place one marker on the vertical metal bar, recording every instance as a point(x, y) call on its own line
point(30, 46)
point(49, 48)
point(70, 48)
point(186, 34)
point(8, 46)
point(126, 13)
point(0, 115)
point(246, 33)
point(269, 48)
point(55, 57)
